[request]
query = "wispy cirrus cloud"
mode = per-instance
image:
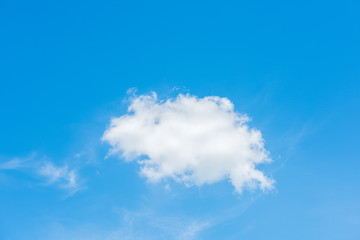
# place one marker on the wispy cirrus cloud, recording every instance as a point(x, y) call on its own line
point(17, 163)
point(192, 140)
point(132, 225)
point(63, 176)
point(41, 168)
point(12, 164)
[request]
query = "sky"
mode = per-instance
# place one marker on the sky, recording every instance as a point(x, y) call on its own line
point(179, 120)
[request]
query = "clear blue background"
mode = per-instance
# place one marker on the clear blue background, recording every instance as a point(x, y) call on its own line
point(293, 66)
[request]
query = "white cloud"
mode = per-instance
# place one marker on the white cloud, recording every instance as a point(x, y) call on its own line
point(62, 175)
point(12, 164)
point(192, 230)
point(191, 140)
point(130, 225)
point(47, 171)
point(16, 163)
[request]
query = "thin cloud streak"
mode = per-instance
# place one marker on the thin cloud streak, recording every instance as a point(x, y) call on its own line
point(49, 174)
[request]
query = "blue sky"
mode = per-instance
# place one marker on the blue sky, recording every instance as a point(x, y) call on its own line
point(65, 71)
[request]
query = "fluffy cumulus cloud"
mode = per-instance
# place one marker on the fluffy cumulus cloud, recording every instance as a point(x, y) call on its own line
point(189, 139)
